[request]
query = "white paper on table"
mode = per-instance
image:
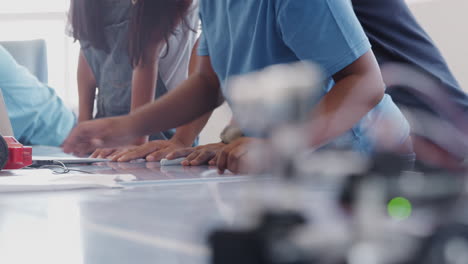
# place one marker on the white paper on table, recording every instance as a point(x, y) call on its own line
point(35, 183)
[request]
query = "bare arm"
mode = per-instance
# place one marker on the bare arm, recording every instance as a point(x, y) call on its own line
point(184, 137)
point(86, 89)
point(198, 95)
point(143, 92)
point(359, 88)
point(144, 79)
point(186, 134)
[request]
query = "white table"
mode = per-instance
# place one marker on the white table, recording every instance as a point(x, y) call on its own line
point(164, 217)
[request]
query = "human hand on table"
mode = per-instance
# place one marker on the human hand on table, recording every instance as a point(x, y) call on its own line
point(151, 151)
point(196, 156)
point(110, 153)
point(245, 155)
point(88, 136)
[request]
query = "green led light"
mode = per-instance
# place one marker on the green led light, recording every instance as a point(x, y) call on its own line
point(399, 208)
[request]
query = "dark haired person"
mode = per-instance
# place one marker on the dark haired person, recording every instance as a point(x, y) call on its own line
point(133, 52)
point(241, 37)
point(396, 37)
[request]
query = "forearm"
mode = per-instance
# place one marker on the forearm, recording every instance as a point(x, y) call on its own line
point(144, 79)
point(143, 85)
point(86, 89)
point(143, 90)
point(188, 133)
point(86, 105)
point(194, 98)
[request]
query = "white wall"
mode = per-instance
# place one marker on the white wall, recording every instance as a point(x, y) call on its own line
point(216, 124)
point(446, 21)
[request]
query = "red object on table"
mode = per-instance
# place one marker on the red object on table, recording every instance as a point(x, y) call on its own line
point(19, 156)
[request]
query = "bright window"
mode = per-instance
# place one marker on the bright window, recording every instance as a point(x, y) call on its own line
point(33, 6)
point(44, 19)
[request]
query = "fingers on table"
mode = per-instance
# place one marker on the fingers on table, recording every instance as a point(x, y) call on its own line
point(157, 155)
point(200, 157)
point(134, 154)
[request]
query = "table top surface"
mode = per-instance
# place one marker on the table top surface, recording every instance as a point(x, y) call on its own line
point(163, 217)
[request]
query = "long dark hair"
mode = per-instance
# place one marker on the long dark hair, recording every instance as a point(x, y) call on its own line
point(154, 21)
point(85, 18)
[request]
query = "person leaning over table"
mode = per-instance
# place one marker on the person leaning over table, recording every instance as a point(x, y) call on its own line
point(132, 53)
point(37, 114)
point(396, 37)
point(324, 32)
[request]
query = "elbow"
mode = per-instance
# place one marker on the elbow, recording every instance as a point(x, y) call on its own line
point(375, 90)
point(377, 95)
point(211, 88)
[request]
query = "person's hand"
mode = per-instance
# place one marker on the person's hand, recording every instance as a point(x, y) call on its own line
point(110, 153)
point(152, 151)
point(244, 155)
point(197, 156)
point(102, 133)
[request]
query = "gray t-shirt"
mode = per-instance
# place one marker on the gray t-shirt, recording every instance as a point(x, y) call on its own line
point(113, 70)
point(173, 66)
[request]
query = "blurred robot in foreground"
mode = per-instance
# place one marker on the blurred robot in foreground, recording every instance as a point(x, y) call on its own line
point(419, 81)
point(384, 214)
point(390, 216)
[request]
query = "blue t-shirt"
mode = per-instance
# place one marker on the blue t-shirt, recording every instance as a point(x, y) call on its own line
point(38, 116)
point(243, 36)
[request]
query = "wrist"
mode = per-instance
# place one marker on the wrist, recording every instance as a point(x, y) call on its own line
point(141, 140)
point(135, 129)
point(182, 140)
